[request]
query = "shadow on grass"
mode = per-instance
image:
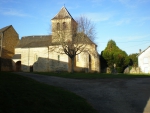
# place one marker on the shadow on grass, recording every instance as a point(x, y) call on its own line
point(93, 75)
point(126, 94)
point(19, 94)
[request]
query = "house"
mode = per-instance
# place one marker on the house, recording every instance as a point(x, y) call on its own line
point(8, 40)
point(144, 60)
point(35, 53)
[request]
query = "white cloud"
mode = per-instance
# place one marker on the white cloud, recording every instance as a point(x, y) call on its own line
point(123, 21)
point(98, 17)
point(96, 3)
point(132, 3)
point(131, 38)
point(13, 12)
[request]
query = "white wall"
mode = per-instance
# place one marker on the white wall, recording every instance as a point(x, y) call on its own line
point(144, 61)
point(42, 59)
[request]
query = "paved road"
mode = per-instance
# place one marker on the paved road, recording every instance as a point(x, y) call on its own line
point(106, 95)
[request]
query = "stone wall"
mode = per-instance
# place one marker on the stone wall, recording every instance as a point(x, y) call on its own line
point(132, 70)
point(7, 64)
point(135, 70)
point(82, 62)
point(56, 32)
point(10, 40)
point(42, 60)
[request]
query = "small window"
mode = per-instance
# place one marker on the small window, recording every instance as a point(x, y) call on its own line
point(58, 26)
point(64, 25)
point(145, 60)
point(58, 57)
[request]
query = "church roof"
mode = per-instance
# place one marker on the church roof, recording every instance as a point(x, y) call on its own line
point(63, 13)
point(34, 41)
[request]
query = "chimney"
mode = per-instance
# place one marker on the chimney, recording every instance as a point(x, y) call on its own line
point(140, 50)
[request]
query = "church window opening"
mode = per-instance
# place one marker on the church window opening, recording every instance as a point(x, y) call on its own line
point(58, 57)
point(58, 26)
point(89, 58)
point(145, 60)
point(64, 25)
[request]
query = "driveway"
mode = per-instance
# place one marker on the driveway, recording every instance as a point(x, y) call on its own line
point(106, 95)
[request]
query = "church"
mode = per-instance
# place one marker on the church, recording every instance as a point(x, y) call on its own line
point(34, 54)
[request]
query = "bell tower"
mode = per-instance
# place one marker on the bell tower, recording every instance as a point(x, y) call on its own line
point(63, 23)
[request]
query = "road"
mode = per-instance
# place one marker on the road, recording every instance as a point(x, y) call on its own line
point(105, 95)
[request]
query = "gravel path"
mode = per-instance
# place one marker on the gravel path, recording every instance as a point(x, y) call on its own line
point(106, 95)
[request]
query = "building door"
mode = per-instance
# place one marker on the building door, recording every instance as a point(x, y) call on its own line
point(18, 66)
point(31, 68)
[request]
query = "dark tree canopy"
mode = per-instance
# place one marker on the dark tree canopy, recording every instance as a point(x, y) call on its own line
point(133, 59)
point(114, 55)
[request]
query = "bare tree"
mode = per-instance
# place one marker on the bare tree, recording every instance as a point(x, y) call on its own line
point(73, 39)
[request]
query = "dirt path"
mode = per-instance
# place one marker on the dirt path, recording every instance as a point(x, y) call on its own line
point(106, 95)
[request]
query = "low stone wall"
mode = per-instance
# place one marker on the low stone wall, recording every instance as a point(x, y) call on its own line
point(132, 70)
point(7, 64)
point(135, 70)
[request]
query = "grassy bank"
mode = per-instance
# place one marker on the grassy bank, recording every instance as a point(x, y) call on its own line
point(19, 94)
point(93, 75)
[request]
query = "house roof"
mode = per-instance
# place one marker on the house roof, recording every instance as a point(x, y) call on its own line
point(5, 28)
point(34, 41)
point(17, 56)
point(143, 51)
point(63, 13)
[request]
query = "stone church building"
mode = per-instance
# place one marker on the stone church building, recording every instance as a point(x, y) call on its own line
point(33, 53)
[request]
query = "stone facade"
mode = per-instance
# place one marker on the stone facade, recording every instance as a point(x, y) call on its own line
point(36, 52)
point(8, 41)
point(44, 60)
point(135, 70)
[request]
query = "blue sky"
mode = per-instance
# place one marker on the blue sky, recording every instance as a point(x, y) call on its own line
point(127, 22)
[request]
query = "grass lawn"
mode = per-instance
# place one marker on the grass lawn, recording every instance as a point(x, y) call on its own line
point(19, 94)
point(93, 75)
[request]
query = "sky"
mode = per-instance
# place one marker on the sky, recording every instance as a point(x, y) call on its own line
point(127, 22)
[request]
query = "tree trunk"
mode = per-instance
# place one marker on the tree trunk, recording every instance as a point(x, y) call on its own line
point(72, 65)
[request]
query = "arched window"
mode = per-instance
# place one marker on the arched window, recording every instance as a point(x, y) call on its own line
point(89, 58)
point(64, 25)
point(58, 57)
point(58, 26)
